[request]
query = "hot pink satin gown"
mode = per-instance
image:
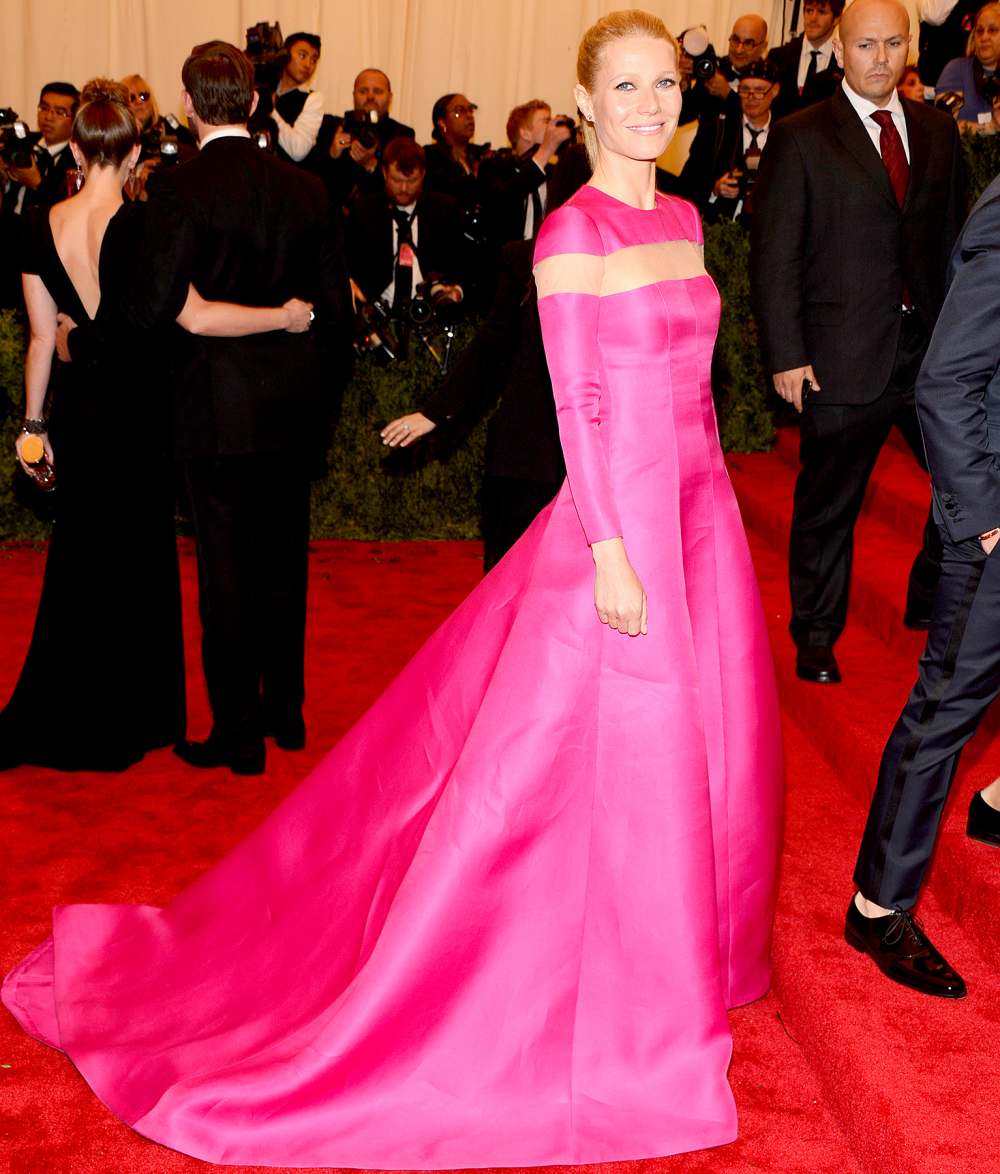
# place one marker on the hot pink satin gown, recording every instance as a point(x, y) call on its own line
point(501, 922)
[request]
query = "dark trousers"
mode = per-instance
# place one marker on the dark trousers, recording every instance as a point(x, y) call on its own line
point(839, 447)
point(510, 505)
point(251, 520)
point(959, 676)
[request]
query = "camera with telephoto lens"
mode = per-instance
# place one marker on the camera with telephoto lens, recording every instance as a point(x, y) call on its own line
point(431, 303)
point(362, 126)
point(373, 332)
point(17, 142)
point(705, 62)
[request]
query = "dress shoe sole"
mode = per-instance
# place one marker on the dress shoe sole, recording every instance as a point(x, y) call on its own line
point(859, 944)
point(986, 838)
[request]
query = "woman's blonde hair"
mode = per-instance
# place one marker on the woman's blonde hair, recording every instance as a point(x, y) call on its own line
point(628, 22)
point(137, 84)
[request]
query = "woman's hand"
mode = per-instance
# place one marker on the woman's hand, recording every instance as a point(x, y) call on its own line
point(405, 430)
point(300, 315)
point(44, 438)
point(618, 594)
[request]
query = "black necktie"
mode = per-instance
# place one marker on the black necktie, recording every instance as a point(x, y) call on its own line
point(402, 290)
point(811, 70)
point(536, 212)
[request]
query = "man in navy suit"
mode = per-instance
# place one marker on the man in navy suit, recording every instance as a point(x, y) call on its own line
point(958, 403)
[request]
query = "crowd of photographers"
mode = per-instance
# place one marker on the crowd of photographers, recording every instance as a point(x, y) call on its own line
point(425, 224)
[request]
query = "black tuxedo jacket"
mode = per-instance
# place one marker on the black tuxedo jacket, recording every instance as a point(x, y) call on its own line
point(242, 226)
point(506, 361)
point(371, 258)
point(958, 389)
point(785, 62)
point(507, 181)
point(831, 251)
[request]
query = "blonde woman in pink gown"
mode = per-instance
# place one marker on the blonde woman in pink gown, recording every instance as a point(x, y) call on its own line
point(501, 923)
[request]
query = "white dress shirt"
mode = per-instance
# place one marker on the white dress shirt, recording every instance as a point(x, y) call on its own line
point(935, 11)
point(822, 61)
point(864, 109)
point(298, 138)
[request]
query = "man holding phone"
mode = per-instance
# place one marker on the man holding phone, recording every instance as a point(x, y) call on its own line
point(856, 207)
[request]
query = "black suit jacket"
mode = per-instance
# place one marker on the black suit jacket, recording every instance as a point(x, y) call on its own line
point(716, 148)
point(958, 389)
point(242, 226)
point(506, 361)
point(785, 62)
point(831, 251)
point(371, 258)
point(507, 181)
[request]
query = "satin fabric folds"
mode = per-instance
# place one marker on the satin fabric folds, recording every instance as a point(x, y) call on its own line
point(501, 922)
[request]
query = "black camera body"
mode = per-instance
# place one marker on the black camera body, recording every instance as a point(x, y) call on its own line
point(705, 62)
point(267, 53)
point(430, 303)
point(17, 142)
point(363, 127)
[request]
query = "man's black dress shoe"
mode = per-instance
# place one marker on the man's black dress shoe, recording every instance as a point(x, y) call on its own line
point(903, 952)
point(984, 821)
point(816, 662)
point(245, 759)
point(289, 733)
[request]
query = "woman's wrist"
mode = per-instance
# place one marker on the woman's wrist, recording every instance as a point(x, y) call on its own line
point(34, 426)
point(608, 550)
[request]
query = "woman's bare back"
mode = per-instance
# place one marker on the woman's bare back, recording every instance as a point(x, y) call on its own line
point(78, 228)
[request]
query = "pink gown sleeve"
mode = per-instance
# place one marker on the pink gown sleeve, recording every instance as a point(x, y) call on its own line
point(569, 269)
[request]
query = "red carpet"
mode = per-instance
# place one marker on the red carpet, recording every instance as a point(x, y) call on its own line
point(836, 1070)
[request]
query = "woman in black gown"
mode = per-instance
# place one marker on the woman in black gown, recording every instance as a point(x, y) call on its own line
point(103, 681)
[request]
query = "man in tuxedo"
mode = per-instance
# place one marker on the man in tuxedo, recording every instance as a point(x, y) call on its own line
point(958, 401)
point(806, 67)
point(725, 155)
point(514, 182)
point(43, 182)
point(241, 225)
point(856, 207)
point(405, 236)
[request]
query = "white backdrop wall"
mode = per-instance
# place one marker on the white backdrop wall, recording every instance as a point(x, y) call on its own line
point(498, 52)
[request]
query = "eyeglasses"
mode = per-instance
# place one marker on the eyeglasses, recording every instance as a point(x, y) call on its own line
point(745, 42)
point(141, 98)
point(58, 111)
point(461, 111)
point(754, 93)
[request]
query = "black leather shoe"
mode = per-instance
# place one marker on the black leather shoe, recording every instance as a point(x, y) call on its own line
point(903, 952)
point(816, 662)
point(984, 821)
point(288, 734)
point(246, 759)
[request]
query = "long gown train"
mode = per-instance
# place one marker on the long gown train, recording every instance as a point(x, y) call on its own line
point(502, 920)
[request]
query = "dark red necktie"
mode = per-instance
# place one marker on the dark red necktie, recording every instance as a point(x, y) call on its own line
point(893, 156)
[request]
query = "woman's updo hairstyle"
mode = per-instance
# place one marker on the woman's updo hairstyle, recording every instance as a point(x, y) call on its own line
point(616, 26)
point(105, 128)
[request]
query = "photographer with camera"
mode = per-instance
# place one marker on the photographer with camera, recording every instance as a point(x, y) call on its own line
point(806, 67)
point(360, 137)
point(405, 244)
point(974, 76)
point(34, 173)
point(164, 139)
point(721, 167)
point(298, 110)
point(710, 81)
point(514, 181)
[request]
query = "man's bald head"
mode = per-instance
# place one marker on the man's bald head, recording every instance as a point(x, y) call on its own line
point(748, 41)
point(871, 46)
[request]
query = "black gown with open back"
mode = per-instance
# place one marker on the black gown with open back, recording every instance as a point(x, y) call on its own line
point(103, 681)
